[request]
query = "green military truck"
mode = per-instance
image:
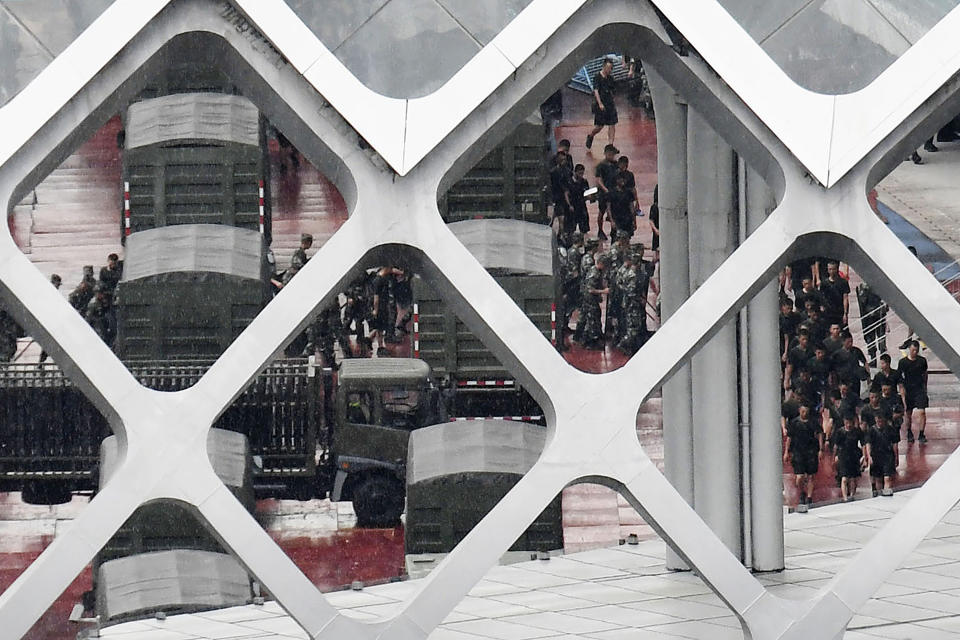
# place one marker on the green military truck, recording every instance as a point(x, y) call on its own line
point(311, 432)
point(521, 257)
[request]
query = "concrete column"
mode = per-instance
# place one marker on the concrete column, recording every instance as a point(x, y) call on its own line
point(674, 284)
point(711, 198)
point(766, 465)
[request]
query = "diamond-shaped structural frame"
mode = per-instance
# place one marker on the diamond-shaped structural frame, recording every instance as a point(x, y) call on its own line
point(592, 431)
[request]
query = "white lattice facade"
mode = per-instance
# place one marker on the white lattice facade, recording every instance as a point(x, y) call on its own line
point(819, 154)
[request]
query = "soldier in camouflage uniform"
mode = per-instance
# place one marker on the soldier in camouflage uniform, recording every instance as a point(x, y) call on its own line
point(299, 258)
point(326, 331)
point(591, 245)
point(618, 247)
point(570, 281)
point(591, 292)
point(634, 304)
point(80, 297)
point(100, 315)
point(355, 312)
point(624, 281)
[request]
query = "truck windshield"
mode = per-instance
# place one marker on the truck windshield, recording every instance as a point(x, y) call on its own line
point(401, 407)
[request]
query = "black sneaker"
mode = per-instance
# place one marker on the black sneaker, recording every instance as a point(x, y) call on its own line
point(915, 157)
point(922, 437)
point(929, 146)
point(910, 436)
point(875, 493)
point(589, 140)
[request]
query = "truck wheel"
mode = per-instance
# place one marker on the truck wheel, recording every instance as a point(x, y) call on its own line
point(378, 501)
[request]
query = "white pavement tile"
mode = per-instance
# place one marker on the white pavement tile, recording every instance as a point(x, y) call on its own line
point(942, 602)
point(682, 608)
point(624, 616)
point(152, 634)
point(282, 626)
point(947, 568)
point(450, 634)
point(567, 568)
point(700, 630)
point(240, 614)
point(894, 612)
point(543, 600)
point(659, 586)
point(349, 599)
point(601, 593)
point(489, 608)
point(562, 622)
point(526, 578)
point(500, 630)
point(634, 634)
point(907, 632)
point(206, 628)
point(924, 580)
point(949, 625)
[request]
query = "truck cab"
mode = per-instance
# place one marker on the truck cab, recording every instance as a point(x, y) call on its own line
point(378, 403)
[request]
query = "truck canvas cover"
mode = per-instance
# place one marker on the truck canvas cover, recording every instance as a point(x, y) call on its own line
point(192, 116)
point(476, 446)
point(511, 245)
point(194, 248)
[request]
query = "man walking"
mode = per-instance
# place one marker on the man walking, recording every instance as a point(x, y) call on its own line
point(913, 390)
point(604, 108)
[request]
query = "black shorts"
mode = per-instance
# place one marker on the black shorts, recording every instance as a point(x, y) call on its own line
point(605, 117)
point(883, 466)
point(805, 463)
point(849, 468)
point(917, 400)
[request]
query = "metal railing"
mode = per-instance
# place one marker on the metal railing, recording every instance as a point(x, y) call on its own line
point(50, 430)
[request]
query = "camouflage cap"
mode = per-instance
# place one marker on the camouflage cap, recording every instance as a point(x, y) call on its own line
point(306, 237)
point(88, 269)
point(591, 243)
point(576, 237)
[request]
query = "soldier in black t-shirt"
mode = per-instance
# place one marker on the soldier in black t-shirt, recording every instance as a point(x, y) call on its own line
point(836, 295)
point(882, 453)
point(604, 108)
point(849, 443)
point(850, 364)
point(834, 423)
point(803, 268)
point(892, 404)
point(834, 340)
point(622, 207)
point(886, 374)
point(913, 390)
point(560, 179)
point(796, 358)
point(820, 366)
point(789, 323)
point(802, 450)
point(578, 203)
point(606, 173)
point(807, 292)
point(814, 324)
